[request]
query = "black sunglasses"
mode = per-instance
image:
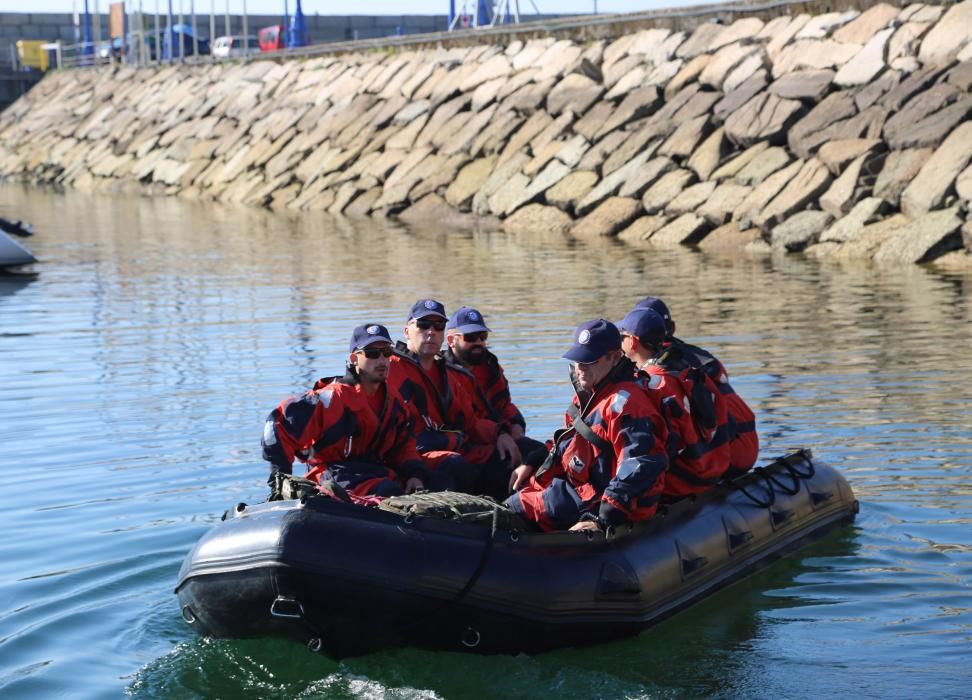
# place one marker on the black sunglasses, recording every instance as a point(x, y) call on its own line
point(473, 337)
point(373, 353)
point(426, 325)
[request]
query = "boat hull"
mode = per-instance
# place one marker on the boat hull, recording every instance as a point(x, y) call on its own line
point(351, 580)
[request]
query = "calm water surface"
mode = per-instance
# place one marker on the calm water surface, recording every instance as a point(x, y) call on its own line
point(136, 371)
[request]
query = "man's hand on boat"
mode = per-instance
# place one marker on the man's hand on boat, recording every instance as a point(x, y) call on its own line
point(506, 446)
point(584, 525)
point(520, 477)
point(414, 484)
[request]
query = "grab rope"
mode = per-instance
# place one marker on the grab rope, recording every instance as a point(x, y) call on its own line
point(770, 493)
point(771, 481)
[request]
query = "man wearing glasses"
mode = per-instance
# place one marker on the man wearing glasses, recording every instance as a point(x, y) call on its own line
point(607, 465)
point(353, 430)
point(445, 422)
point(482, 377)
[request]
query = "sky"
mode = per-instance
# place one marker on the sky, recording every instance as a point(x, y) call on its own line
point(364, 7)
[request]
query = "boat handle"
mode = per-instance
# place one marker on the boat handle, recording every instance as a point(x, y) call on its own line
point(277, 609)
point(188, 615)
point(471, 638)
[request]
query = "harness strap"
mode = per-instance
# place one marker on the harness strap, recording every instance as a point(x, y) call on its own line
point(584, 430)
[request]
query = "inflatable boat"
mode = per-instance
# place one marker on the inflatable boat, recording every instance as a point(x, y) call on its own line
point(455, 572)
point(12, 254)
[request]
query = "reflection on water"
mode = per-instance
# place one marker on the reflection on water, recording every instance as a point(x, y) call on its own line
point(137, 368)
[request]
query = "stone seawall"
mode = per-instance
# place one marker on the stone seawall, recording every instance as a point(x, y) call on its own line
point(844, 134)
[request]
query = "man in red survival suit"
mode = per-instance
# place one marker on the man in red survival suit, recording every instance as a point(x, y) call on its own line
point(607, 465)
point(743, 440)
point(353, 430)
point(482, 377)
point(693, 408)
point(447, 430)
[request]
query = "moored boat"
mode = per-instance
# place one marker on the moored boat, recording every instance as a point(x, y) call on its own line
point(456, 572)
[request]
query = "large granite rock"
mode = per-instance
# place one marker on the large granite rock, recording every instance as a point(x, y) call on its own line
point(709, 154)
point(642, 229)
point(701, 40)
point(760, 167)
point(849, 227)
point(612, 183)
point(610, 217)
point(573, 188)
point(645, 177)
point(575, 93)
point(730, 237)
point(535, 218)
point(928, 117)
point(724, 61)
point(737, 163)
point(766, 117)
point(927, 237)
point(502, 173)
point(936, 177)
point(637, 104)
point(637, 141)
point(948, 37)
point(718, 207)
point(469, 180)
point(837, 154)
point(867, 63)
point(963, 185)
point(740, 96)
point(764, 192)
point(847, 189)
point(688, 73)
point(866, 25)
point(898, 171)
point(806, 186)
point(799, 231)
point(803, 85)
point(665, 189)
point(687, 229)
point(690, 199)
point(686, 137)
point(813, 54)
point(805, 136)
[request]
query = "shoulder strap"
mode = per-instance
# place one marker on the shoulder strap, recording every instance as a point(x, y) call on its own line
point(584, 430)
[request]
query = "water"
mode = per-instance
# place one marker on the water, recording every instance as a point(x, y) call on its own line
point(137, 368)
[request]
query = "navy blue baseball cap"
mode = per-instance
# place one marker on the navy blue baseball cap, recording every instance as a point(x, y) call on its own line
point(593, 340)
point(368, 334)
point(424, 308)
point(467, 320)
point(646, 325)
point(659, 307)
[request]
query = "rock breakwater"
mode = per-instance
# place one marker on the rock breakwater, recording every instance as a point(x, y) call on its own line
point(844, 134)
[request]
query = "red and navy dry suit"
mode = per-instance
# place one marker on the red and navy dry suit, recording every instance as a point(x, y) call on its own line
point(698, 427)
point(615, 473)
point(743, 440)
point(444, 422)
point(490, 391)
point(335, 430)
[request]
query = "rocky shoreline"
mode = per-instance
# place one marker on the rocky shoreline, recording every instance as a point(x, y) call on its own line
point(842, 135)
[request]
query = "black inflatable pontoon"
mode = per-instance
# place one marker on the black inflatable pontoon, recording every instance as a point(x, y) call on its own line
point(350, 579)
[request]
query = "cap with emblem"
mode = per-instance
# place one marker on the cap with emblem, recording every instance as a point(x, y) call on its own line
point(368, 334)
point(593, 340)
point(660, 308)
point(646, 325)
point(467, 320)
point(424, 308)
